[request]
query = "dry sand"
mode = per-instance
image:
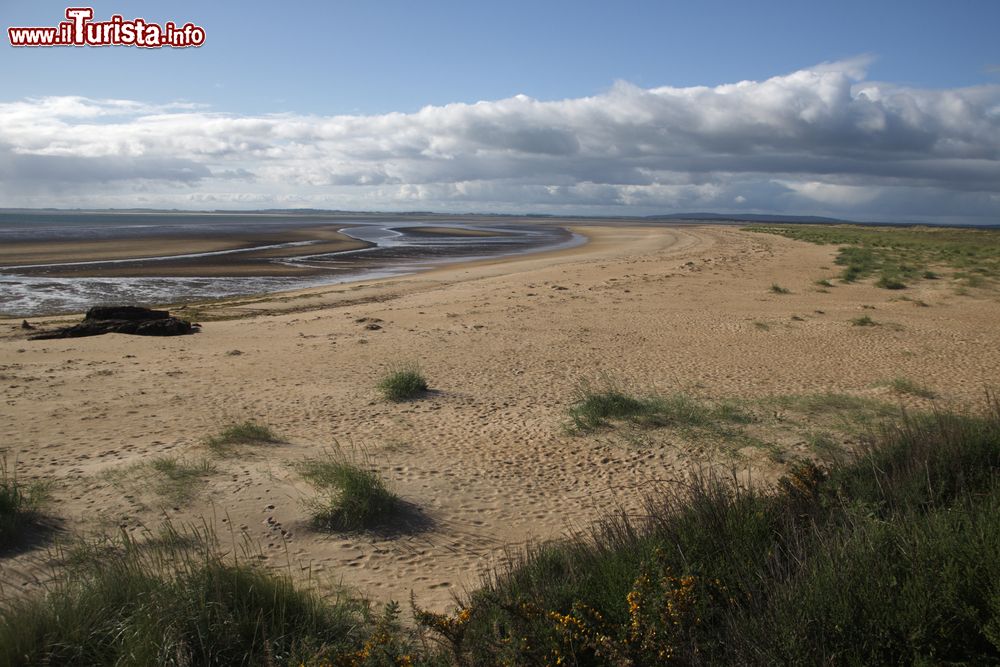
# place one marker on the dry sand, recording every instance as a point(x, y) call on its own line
point(484, 460)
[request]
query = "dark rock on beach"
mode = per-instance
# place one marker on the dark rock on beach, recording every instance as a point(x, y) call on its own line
point(131, 313)
point(123, 319)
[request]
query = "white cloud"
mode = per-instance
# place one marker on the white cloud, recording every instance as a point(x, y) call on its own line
point(831, 193)
point(819, 140)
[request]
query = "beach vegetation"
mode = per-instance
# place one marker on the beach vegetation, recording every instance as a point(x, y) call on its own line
point(352, 495)
point(890, 281)
point(175, 601)
point(903, 385)
point(403, 383)
point(885, 554)
point(888, 551)
point(248, 432)
point(830, 403)
point(603, 405)
point(20, 503)
point(179, 480)
point(902, 255)
point(778, 289)
point(864, 321)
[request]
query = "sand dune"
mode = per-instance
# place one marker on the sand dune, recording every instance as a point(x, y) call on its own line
point(484, 460)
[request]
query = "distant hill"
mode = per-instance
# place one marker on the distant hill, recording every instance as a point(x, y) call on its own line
point(750, 217)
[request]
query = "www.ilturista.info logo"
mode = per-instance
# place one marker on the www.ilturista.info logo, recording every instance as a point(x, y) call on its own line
point(81, 30)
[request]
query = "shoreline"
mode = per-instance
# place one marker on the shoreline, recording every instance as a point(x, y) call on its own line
point(232, 269)
point(328, 256)
point(600, 242)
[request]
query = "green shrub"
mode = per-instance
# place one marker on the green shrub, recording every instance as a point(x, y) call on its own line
point(403, 384)
point(889, 281)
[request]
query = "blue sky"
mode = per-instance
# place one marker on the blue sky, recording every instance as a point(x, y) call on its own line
point(377, 57)
point(373, 66)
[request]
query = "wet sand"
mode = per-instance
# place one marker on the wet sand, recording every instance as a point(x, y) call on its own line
point(20, 255)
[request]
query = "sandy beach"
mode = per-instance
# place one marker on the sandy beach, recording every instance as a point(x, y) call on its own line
point(484, 462)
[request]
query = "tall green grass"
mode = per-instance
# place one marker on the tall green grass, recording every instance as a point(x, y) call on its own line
point(166, 603)
point(892, 558)
point(19, 504)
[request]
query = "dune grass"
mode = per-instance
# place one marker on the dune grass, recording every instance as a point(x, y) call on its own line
point(903, 255)
point(403, 383)
point(890, 281)
point(598, 407)
point(864, 321)
point(166, 602)
point(902, 385)
point(20, 503)
point(778, 289)
point(889, 558)
point(179, 480)
point(243, 433)
point(833, 403)
point(352, 496)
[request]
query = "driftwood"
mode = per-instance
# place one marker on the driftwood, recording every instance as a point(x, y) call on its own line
point(125, 320)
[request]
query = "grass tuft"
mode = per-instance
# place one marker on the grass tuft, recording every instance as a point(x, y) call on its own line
point(778, 289)
point(889, 281)
point(244, 433)
point(180, 480)
point(902, 385)
point(597, 408)
point(19, 504)
point(864, 321)
point(403, 384)
point(351, 496)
